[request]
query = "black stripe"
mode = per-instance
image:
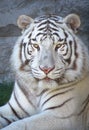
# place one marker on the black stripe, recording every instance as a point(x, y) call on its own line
point(66, 52)
point(39, 20)
point(56, 19)
point(60, 93)
point(6, 118)
point(54, 24)
point(56, 34)
point(25, 93)
point(53, 29)
point(29, 52)
point(24, 64)
point(43, 23)
point(42, 28)
point(69, 59)
point(61, 88)
point(86, 100)
point(58, 22)
point(24, 45)
point(76, 56)
point(40, 95)
point(13, 110)
point(34, 39)
point(45, 90)
point(39, 34)
point(47, 23)
point(66, 35)
point(61, 105)
point(85, 103)
point(20, 55)
point(20, 105)
point(30, 35)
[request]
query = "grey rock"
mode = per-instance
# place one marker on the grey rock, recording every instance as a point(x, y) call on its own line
point(6, 46)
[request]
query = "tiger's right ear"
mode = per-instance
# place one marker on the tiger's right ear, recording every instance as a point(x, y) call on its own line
point(23, 21)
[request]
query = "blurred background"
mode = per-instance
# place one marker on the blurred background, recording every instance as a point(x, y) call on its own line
point(9, 32)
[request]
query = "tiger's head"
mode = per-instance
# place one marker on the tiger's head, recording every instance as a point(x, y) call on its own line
point(49, 49)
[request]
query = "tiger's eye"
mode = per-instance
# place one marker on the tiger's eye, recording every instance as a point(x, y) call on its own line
point(36, 46)
point(58, 46)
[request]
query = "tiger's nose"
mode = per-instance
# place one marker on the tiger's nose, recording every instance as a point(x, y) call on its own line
point(46, 70)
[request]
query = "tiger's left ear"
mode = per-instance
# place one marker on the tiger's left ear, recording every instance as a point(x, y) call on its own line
point(73, 21)
point(23, 21)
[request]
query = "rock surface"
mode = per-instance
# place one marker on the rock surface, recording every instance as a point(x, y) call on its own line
point(11, 9)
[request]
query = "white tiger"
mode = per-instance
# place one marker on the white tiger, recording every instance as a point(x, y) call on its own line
point(51, 66)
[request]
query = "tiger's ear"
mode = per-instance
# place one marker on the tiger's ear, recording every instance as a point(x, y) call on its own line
point(23, 21)
point(73, 21)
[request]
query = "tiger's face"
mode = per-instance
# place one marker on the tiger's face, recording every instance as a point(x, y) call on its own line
point(48, 48)
point(47, 53)
point(48, 60)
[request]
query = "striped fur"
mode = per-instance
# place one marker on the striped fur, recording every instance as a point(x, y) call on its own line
point(51, 66)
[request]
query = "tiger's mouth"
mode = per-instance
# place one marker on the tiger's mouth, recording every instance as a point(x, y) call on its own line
point(51, 76)
point(47, 79)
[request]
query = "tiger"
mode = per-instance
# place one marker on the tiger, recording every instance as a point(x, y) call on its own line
point(51, 67)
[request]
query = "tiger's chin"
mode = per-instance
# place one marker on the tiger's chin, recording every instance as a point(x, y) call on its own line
point(48, 83)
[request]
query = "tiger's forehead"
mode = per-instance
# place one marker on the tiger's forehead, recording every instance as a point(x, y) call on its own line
point(48, 26)
point(45, 27)
point(48, 17)
point(47, 43)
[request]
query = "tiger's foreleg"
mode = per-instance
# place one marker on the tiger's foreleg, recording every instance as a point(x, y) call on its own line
point(17, 108)
point(6, 116)
point(44, 121)
point(11, 112)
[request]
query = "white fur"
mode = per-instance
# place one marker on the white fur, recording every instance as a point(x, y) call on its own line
point(63, 86)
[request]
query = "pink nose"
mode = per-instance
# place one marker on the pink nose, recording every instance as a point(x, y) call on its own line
point(46, 70)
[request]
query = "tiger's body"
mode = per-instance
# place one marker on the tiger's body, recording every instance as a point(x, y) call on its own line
point(51, 66)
